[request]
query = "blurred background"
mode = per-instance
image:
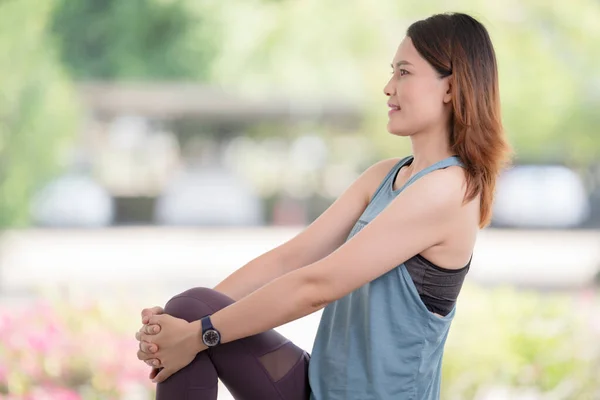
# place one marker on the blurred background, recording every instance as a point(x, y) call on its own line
point(148, 146)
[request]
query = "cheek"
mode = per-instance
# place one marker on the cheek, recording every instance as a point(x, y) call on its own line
point(419, 99)
point(411, 92)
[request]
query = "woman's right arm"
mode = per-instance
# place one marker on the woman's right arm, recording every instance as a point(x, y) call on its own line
point(315, 242)
point(318, 240)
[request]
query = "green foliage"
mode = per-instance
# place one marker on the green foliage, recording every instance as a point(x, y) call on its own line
point(549, 79)
point(546, 53)
point(523, 340)
point(134, 39)
point(37, 109)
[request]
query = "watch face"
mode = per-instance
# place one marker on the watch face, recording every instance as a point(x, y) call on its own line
point(211, 337)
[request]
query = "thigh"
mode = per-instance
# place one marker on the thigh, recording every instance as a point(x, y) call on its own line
point(264, 366)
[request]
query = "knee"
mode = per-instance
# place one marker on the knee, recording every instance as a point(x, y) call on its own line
point(196, 303)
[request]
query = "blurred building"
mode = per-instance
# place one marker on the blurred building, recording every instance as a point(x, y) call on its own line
point(187, 154)
point(162, 154)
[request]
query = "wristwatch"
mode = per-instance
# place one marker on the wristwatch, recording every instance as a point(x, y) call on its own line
point(210, 336)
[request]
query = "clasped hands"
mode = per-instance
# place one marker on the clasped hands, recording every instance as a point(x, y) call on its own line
point(166, 343)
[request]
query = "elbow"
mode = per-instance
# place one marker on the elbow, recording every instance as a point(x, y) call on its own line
point(318, 293)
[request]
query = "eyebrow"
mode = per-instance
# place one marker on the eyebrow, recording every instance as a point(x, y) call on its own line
point(401, 63)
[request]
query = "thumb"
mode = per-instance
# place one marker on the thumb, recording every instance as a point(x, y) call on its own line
point(153, 373)
point(162, 376)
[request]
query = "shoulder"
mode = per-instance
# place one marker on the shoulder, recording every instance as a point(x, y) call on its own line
point(438, 200)
point(437, 197)
point(443, 186)
point(373, 176)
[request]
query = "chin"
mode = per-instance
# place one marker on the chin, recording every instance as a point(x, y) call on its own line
point(398, 131)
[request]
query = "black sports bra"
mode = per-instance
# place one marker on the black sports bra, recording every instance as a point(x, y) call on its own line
point(438, 287)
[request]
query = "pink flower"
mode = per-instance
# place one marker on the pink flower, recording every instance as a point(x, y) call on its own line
point(39, 342)
point(54, 393)
point(5, 321)
point(3, 373)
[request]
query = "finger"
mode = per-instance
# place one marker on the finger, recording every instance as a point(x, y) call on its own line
point(153, 373)
point(155, 319)
point(148, 347)
point(145, 338)
point(138, 336)
point(143, 356)
point(153, 363)
point(147, 312)
point(163, 375)
point(151, 329)
point(152, 311)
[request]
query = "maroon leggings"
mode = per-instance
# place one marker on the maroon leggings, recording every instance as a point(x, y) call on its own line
point(266, 366)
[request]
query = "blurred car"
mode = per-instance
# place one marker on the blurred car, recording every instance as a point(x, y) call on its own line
point(541, 196)
point(208, 197)
point(73, 200)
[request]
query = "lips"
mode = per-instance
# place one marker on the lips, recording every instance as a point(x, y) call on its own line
point(393, 107)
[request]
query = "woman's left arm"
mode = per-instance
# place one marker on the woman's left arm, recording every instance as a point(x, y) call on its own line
point(417, 219)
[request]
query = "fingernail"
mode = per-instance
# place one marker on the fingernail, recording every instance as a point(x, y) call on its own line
point(155, 329)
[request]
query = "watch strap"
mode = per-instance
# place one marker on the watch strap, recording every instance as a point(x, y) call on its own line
point(206, 324)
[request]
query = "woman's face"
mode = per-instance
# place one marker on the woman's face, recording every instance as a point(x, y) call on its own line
point(418, 97)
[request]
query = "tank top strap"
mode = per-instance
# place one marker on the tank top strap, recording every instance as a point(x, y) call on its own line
point(445, 163)
point(391, 175)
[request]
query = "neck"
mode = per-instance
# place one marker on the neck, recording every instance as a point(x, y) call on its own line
point(429, 147)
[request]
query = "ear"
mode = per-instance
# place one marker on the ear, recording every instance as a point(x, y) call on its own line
point(448, 89)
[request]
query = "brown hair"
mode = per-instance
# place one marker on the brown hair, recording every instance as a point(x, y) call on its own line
point(459, 47)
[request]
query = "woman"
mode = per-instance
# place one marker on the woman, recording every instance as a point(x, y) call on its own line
point(386, 260)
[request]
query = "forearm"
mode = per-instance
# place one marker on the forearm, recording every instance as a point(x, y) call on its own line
point(255, 274)
point(285, 299)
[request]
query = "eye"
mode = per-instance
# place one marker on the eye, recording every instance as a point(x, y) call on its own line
point(401, 72)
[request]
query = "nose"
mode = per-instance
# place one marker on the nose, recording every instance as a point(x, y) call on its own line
point(388, 89)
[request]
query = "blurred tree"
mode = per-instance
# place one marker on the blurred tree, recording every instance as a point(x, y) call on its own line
point(549, 78)
point(37, 107)
point(134, 39)
point(550, 85)
point(549, 82)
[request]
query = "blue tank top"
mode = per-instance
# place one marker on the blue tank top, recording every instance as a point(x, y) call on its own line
point(380, 342)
